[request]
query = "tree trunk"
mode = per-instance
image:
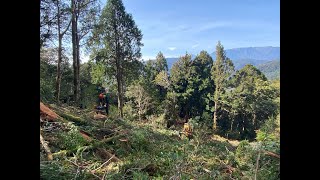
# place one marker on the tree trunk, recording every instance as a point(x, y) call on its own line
point(78, 68)
point(74, 51)
point(215, 109)
point(254, 119)
point(119, 89)
point(119, 72)
point(58, 79)
point(122, 92)
point(60, 36)
point(215, 116)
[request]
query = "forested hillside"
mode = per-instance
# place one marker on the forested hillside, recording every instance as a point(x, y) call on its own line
point(271, 69)
point(199, 119)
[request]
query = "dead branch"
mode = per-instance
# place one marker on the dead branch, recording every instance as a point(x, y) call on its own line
point(104, 163)
point(46, 148)
point(272, 154)
point(257, 165)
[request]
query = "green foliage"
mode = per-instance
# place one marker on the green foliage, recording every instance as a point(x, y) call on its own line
point(245, 155)
point(140, 141)
point(47, 74)
point(72, 139)
point(191, 82)
point(267, 141)
point(162, 79)
point(171, 109)
point(141, 100)
point(129, 111)
point(116, 42)
point(248, 102)
point(271, 69)
point(156, 81)
point(222, 69)
point(98, 73)
point(140, 175)
point(221, 72)
point(161, 63)
point(55, 170)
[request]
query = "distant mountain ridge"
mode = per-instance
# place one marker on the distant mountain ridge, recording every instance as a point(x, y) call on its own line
point(256, 53)
point(242, 56)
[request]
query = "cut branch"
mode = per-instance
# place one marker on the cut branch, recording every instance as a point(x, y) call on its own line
point(46, 148)
point(272, 154)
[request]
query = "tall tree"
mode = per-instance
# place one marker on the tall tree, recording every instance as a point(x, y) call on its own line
point(221, 72)
point(200, 80)
point(251, 100)
point(161, 65)
point(63, 21)
point(84, 14)
point(180, 74)
point(76, 61)
point(117, 41)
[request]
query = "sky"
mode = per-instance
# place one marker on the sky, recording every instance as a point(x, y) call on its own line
point(175, 27)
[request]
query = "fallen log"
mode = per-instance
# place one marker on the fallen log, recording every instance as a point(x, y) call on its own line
point(47, 113)
point(46, 148)
point(272, 154)
point(104, 154)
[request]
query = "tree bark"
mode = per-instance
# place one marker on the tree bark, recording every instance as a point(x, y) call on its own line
point(215, 111)
point(74, 52)
point(78, 70)
point(77, 97)
point(58, 78)
point(119, 73)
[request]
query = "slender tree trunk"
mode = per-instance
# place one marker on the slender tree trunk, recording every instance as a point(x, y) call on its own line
point(60, 36)
point(119, 88)
point(77, 99)
point(119, 73)
point(231, 126)
point(78, 68)
point(215, 111)
point(254, 119)
point(58, 79)
point(122, 91)
point(215, 116)
point(74, 51)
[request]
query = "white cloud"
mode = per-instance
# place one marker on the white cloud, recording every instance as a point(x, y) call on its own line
point(194, 46)
point(172, 48)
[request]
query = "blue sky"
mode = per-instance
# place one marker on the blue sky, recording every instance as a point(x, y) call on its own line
point(175, 27)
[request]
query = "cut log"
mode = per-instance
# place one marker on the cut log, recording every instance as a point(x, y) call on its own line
point(46, 148)
point(104, 154)
point(47, 113)
point(85, 135)
point(99, 117)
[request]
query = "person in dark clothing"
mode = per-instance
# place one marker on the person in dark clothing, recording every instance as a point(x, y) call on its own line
point(104, 100)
